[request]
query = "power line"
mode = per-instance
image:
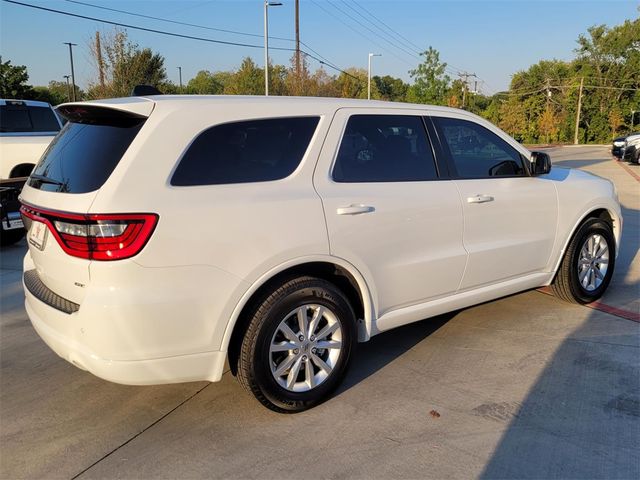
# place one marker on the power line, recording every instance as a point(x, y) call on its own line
point(392, 40)
point(376, 34)
point(195, 25)
point(368, 12)
point(166, 20)
point(173, 34)
point(328, 12)
point(453, 70)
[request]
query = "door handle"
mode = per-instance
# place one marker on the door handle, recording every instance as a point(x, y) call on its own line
point(480, 199)
point(355, 210)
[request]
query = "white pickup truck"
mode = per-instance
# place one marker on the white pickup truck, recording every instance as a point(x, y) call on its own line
point(26, 129)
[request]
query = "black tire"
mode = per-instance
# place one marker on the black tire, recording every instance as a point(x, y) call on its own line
point(566, 284)
point(9, 237)
point(255, 359)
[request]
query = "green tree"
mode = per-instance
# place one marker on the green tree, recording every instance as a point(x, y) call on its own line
point(205, 83)
point(430, 81)
point(247, 80)
point(391, 88)
point(13, 81)
point(352, 83)
point(55, 93)
point(122, 64)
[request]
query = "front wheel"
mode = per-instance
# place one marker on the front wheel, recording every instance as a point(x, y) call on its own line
point(298, 344)
point(587, 265)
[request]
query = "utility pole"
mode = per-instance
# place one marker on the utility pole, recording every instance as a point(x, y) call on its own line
point(575, 138)
point(180, 76)
point(73, 77)
point(548, 89)
point(267, 4)
point(369, 74)
point(298, 39)
point(464, 76)
point(99, 59)
point(68, 87)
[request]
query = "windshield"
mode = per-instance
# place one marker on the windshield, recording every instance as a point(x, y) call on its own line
point(82, 156)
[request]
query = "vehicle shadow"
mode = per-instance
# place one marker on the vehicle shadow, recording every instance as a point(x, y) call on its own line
point(624, 290)
point(571, 163)
point(581, 417)
point(381, 350)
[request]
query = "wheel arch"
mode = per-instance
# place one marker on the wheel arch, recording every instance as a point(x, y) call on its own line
point(336, 270)
point(21, 170)
point(602, 212)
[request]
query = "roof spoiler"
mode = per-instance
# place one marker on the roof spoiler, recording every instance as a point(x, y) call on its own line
point(145, 91)
point(99, 115)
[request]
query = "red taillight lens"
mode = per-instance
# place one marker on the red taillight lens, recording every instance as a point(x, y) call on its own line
point(97, 236)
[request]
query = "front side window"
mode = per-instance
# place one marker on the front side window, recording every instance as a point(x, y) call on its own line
point(244, 152)
point(384, 148)
point(475, 152)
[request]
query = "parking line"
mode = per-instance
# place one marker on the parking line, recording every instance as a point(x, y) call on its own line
point(603, 307)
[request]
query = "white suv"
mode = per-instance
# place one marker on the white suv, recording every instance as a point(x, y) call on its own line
point(168, 235)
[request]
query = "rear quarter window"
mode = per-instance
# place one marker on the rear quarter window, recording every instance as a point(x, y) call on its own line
point(244, 152)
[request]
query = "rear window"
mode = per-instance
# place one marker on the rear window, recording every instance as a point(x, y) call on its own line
point(83, 155)
point(25, 119)
point(248, 151)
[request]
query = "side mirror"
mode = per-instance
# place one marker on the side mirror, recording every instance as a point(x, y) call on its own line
point(541, 163)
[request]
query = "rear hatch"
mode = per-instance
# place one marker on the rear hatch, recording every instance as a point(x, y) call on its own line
point(63, 238)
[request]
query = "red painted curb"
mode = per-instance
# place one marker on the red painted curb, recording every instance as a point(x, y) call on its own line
point(629, 171)
point(603, 307)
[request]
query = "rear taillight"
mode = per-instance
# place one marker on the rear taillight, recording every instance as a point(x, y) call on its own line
point(96, 236)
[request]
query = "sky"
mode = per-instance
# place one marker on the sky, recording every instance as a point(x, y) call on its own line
point(493, 39)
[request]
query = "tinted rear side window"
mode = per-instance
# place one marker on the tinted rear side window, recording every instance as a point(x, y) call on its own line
point(384, 148)
point(249, 151)
point(24, 119)
point(82, 156)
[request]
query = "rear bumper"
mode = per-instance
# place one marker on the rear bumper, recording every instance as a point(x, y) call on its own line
point(183, 368)
point(137, 325)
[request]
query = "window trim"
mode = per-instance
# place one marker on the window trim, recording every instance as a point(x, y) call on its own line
point(448, 158)
point(431, 145)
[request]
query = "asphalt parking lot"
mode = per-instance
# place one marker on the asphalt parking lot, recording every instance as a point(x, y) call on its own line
point(523, 387)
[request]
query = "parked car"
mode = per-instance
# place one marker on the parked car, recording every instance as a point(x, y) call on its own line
point(170, 234)
point(617, 147)
point(26, 129)
point(631, 149)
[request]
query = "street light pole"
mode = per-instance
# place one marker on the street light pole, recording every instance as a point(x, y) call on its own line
point(180, 73)
point(267, 4)
point(369, 75)
point(68, 87)
point(73, 77)
point(633, 123)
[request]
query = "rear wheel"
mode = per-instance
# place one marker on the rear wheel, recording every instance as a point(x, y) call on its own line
point(587, 265)
point(298, 344)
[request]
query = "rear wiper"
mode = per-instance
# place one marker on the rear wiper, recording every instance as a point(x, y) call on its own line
point(52, 181)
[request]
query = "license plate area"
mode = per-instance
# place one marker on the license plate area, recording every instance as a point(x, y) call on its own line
point(12, 221)
point(38, 234)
